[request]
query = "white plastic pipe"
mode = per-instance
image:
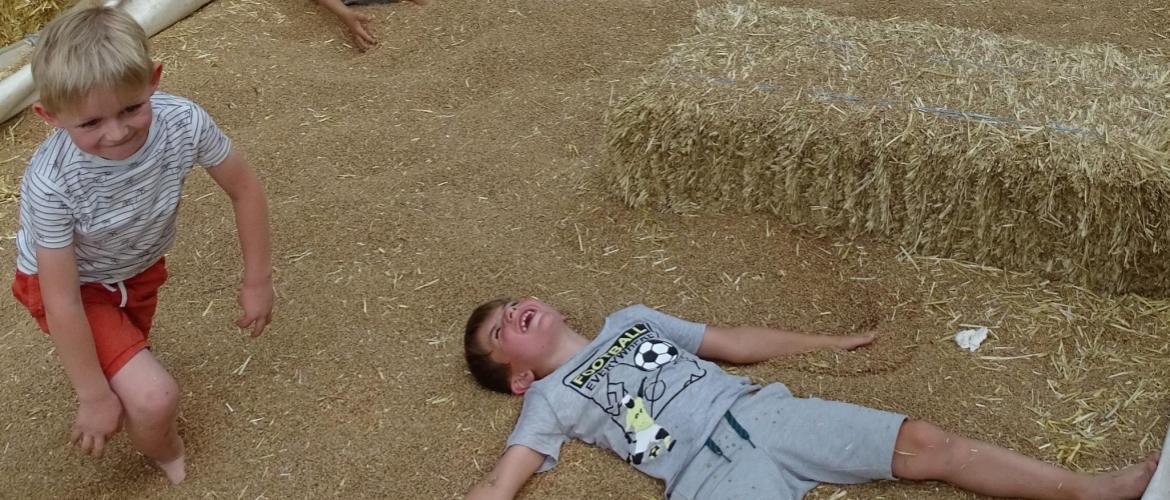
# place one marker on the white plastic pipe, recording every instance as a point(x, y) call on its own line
point(13, 54)
point(158, 15)
point(16, 91)
point(1159, 488)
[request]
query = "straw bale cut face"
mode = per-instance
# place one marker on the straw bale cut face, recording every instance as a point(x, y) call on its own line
point(948, 142)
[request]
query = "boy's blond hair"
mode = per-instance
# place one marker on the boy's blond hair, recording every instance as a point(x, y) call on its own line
point(89, 49)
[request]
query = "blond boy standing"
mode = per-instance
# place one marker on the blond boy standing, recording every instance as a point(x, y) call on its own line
point(98, 209)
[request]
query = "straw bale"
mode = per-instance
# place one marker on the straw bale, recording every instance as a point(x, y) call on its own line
point(19, 18)
point(949, 142)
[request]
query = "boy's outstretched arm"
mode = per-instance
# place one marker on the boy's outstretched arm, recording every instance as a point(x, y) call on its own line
point(752, 344)
point(99, 412)
point(510, 473)
point(239, 181)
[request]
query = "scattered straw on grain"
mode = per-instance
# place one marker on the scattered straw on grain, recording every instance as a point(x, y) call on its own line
point(9, 190)
point(1106, 364)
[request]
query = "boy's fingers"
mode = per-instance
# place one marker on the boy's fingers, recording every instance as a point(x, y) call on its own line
point(258, 327)
point(360, 41)
point(75, 436)
point(247, 322)
point(261, 324)
point(256, 323)
point(86, 443)
point(99, 446)
point(361, 34)
point(367, 37)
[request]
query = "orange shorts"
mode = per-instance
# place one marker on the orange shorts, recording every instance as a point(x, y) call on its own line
point(118, 319)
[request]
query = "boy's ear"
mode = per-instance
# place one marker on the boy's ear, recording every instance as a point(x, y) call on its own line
point(521, 381)
point(155, 77)
point(39, 110)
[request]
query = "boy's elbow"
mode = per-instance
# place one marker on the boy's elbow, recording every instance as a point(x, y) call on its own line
point(725, 344)
point(244, 188)
point(248, 193)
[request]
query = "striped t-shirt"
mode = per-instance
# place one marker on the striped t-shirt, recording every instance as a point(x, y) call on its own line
point(119, 215)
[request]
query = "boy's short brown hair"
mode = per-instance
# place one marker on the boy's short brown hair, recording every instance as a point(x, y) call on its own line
point(89, 49)
point(488, 373)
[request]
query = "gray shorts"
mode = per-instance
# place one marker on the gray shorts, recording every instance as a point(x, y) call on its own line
point(798, 444)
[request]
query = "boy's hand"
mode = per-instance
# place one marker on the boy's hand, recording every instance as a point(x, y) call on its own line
point(98, 419)
point(851, 342)
point(358, 25)
point(256, 301)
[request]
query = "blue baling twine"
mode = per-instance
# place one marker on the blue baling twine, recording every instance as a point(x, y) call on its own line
point(828, 96)
point(846, 45)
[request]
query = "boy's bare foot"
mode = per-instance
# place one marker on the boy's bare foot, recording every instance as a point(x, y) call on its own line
point(176, 470)
point(1127, 483)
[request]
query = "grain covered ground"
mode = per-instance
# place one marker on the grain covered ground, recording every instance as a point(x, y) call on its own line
point(463, 159)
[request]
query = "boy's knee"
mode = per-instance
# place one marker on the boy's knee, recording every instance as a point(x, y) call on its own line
point(156, 401)
point(923, 451)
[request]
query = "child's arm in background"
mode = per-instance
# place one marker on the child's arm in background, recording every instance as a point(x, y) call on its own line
point(239, 181)
point(355, 21)
point(99, 413)
point(509, 475)
point(752, 344)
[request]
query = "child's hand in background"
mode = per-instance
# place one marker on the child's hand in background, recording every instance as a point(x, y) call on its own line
point(358, 25)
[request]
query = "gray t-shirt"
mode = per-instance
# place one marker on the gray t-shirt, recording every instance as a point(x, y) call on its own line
point(638, 390)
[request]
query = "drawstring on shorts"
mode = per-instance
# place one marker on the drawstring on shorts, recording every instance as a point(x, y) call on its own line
point(739, 431)
point(121, 289)
point(716, 449)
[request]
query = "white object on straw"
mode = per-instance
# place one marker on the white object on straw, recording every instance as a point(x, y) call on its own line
point(971, 339)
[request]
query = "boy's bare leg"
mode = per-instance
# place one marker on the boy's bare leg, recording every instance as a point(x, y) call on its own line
point(150, 398)
point(925, 452)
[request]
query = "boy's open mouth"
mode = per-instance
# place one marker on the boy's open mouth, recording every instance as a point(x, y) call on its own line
point(526, 319)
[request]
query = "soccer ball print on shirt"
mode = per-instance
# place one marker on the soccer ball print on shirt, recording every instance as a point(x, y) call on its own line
point(634, 380)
